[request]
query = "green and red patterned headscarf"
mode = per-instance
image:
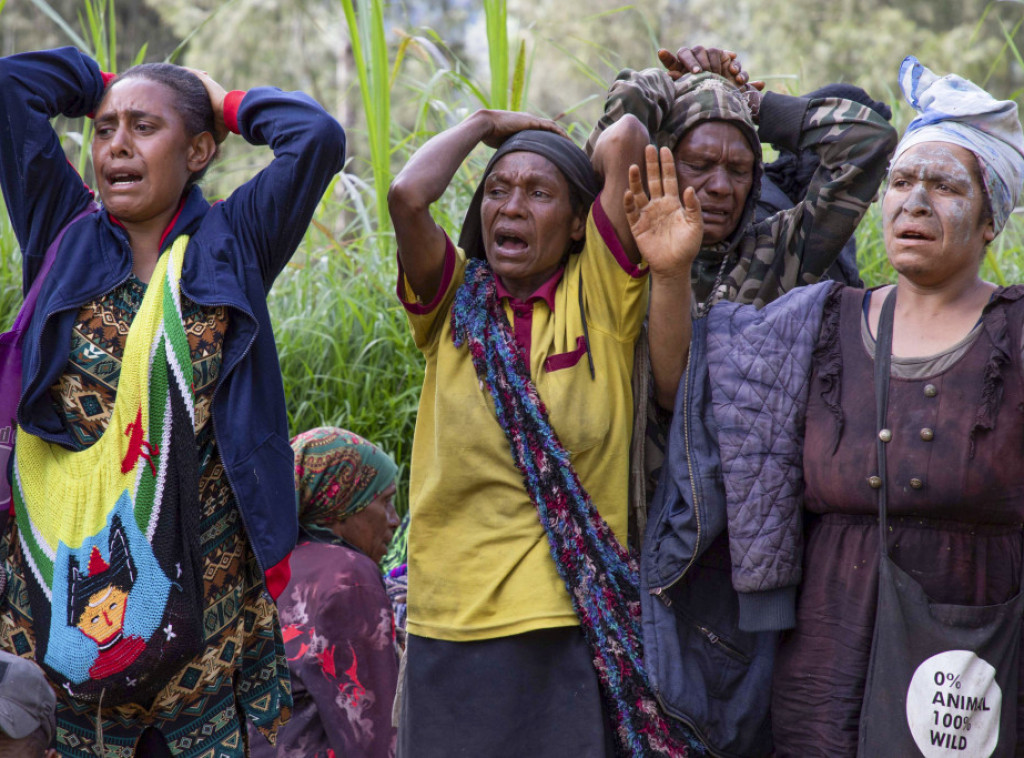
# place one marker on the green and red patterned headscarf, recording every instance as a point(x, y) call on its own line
point(337, 474)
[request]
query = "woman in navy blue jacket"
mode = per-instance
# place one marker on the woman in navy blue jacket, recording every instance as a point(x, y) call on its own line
point(157, 130)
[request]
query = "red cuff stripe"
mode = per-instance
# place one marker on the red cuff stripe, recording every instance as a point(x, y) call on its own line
point(232, 102)
point(277, 577)
point(418, 309)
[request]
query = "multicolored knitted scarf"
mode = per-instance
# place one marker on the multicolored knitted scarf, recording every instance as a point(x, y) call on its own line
point(601, 577)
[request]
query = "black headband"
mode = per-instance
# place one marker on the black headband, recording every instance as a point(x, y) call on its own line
point(567, 157)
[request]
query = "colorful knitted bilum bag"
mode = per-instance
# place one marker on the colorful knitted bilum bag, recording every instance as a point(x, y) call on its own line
point(111, 533)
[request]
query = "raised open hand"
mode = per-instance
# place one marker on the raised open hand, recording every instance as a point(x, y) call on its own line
point(667, 232)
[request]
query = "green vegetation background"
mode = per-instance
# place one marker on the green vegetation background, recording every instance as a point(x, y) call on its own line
point(396, 73)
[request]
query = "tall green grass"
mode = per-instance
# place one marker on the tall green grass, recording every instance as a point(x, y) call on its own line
point(365, 20)
point(346, 353)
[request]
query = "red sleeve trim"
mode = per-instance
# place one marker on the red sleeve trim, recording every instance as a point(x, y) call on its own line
point(277, 577)
point(232, 102)
point(611, 239)
point(420, 309)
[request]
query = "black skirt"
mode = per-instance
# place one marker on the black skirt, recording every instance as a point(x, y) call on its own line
point(534, 694)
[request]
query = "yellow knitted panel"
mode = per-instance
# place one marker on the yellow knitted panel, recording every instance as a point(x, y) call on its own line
point(69, 494)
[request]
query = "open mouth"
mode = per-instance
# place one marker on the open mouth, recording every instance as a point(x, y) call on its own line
point(123, 179)
point(715, 215)
point(510, 242)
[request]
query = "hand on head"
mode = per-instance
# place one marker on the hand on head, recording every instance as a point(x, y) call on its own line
point(217, 94)
point(697, 59)
point(667, 232)
point(503, 124)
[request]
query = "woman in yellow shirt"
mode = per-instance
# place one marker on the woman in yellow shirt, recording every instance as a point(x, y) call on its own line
point(521, 618)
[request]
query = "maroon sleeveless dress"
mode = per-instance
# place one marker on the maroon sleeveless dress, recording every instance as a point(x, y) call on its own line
point(956, 504)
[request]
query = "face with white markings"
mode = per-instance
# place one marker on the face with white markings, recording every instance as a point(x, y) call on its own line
point(935, 222)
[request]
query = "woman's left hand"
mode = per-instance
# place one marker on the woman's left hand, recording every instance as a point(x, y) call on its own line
point(667, 232)
point(217, 94)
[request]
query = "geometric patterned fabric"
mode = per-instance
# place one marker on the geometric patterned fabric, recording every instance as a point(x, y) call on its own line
point(198, 709)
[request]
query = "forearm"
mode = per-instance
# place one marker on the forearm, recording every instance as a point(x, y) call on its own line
point(853, 144)
point(41, 190)
point(619, 147)
point(669, 329)
point(430, 170)
point(423, 180)
point(272, 211)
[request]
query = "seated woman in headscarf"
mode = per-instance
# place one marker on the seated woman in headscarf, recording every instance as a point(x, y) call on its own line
point(887, 536)
point(522, 605)
point(336, 618)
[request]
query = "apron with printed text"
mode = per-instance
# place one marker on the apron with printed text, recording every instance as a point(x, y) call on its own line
point(942, 678)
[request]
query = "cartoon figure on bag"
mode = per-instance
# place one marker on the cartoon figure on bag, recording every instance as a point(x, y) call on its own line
point(97, 604)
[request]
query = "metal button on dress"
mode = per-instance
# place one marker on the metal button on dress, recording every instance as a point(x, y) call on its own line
point(875, 482)
point(885, 435)
point(930, 390)
point(916, 483)
point(927, 434)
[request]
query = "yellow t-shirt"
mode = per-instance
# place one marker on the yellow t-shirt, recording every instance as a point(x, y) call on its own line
point(479, 561)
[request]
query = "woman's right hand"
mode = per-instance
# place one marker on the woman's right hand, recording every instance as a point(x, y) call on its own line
point(500, 125)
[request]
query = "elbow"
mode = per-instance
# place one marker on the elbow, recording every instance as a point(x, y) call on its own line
point(626, 136)
point(404, 197)
point(891, 139)
point(621, 145)
point(665, 394)
point(665, 401)
point(330, 137)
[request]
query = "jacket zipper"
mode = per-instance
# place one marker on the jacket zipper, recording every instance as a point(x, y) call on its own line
point(688, 722)
point(660, 592)
point(728, 648)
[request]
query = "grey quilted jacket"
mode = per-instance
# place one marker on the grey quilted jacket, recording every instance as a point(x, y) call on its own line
point(759, 363)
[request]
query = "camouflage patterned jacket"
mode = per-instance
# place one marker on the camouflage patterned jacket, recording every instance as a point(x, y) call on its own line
point(795, 246)
point(759, 261)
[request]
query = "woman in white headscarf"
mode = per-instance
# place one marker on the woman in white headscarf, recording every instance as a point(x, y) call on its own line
point(903, 631)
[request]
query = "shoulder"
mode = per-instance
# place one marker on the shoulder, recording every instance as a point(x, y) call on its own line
point(602, 247)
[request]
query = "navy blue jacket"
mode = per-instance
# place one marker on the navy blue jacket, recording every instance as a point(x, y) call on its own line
point(722, 552)
point(704, 670)
point(237, 249)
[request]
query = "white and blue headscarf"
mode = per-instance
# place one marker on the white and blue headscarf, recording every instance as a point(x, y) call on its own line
point(952, 109)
